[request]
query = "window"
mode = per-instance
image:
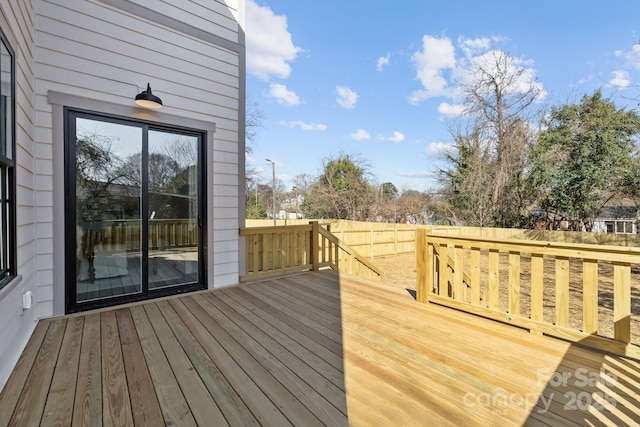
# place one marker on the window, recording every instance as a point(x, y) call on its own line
point(619, 227)
point(7, 163)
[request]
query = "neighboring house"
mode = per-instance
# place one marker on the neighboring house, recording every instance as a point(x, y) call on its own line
point(290, 208)
point(103, 201)
point(617, 219)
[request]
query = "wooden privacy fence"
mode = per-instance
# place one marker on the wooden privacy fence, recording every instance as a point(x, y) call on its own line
point(273, 251)
point(369, 239)
point(575, 291)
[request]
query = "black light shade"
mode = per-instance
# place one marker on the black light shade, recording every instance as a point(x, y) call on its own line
point(147, 99)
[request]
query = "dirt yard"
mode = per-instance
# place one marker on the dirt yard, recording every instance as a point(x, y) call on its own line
point(399, 271)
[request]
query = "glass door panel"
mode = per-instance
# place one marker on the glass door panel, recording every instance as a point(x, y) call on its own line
point(173, 209)
point(108, 203)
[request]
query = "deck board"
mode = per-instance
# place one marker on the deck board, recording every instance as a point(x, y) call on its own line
point(10, 395)
point(195, 347)
point(116, 401)
point(30, 406)
point(59, 407)
point(290, 369)
point(171, 399)
point(202, 407)
point(145, 407)
point(308, 349)
point(87, 404)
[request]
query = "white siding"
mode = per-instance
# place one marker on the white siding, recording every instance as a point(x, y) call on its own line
point(219, 17)
point(600, 224)
point(95, 49)
point(15, 325)
point(101, 53)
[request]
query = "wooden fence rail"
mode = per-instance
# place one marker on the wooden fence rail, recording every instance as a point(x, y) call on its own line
point(273, 251)
point(513, 280)
point(369, 239)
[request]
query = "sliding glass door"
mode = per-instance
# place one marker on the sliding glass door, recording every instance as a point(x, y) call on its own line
point(134, 210)
point(173, 209)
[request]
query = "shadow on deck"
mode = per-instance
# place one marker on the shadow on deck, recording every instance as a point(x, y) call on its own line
point(309, 349)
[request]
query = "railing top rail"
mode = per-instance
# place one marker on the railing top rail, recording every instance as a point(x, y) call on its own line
point(350, 251)
point(259, 230)
point(582, 250)
point(597, 238)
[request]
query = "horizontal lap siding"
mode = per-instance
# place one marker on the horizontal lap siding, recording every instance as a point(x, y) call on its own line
point(93, 49)
point(85, 52)
point(16, 325)
point(202, 14)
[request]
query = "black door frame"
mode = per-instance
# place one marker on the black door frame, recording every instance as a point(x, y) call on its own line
point(71, 304)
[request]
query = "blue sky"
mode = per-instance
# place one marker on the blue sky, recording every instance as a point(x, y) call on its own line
point(376, 78)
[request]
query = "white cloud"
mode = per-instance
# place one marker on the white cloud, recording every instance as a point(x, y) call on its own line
point(360, 135)
point(451, 110)
point(283, 95)
point(269, 45)
point(303, 125)
point(438, 65)
point(475, 47)
point(438, 148)
point(396, 137)
point(436, 56)
point(472, 47)
point(634, 56)
point(383, 61)
point(620, 79)
point(417, 96)
point(346, 97)
point(285, 178)
point(494, 62)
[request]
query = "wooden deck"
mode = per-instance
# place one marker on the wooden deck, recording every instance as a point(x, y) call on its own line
point(310, 349)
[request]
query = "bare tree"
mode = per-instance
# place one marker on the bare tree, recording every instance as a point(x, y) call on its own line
point(303, 181)
point(499, 94)
point(253, 121)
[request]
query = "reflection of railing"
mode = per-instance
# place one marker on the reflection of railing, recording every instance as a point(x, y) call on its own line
point(272, 251)
point(163, 233)
point(169, 233)
point(522, 278)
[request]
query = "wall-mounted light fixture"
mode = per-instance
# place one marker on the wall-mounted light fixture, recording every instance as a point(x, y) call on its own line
point(147, 99)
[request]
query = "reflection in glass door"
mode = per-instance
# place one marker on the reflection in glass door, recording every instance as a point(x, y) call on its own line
point(108, 208)
point(173, 209)
point(136, 214)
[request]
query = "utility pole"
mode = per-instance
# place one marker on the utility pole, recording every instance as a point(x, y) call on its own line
point(273, 190)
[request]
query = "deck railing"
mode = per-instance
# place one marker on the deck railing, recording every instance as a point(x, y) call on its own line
point(369, 239)
point(567, 290)
point(163, 233)
point(273, 251)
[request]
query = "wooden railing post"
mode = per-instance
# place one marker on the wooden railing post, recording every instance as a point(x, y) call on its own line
point(590, 296)
point(423, 267)
point(314, 250)
point(622, 301)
